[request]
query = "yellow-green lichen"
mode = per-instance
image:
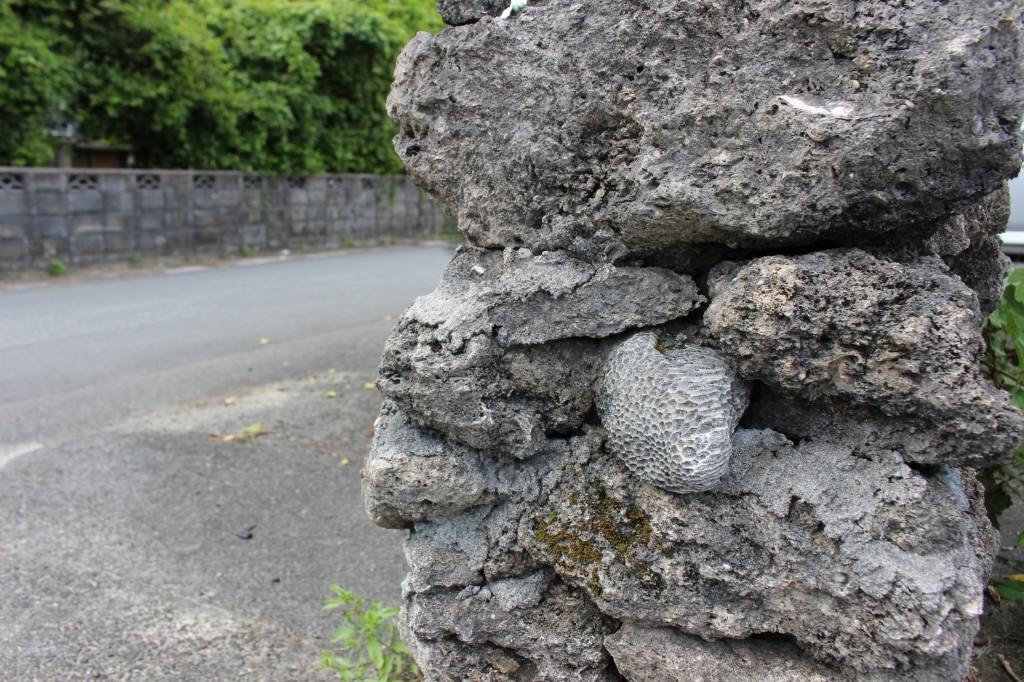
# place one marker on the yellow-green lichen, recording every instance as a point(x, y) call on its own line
point(567, 548)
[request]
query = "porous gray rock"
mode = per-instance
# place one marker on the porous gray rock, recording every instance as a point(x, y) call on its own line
point(459, 12)
point(655, 127)
point(483, 360)
point(969, 245)
point(670, 412)
point(522, 299)
point(667, 655)
point(468, 634)
point(478, 603)
point(488, 397)
point(983, 267)
point(412, 475)
point(987, 218)
point(863, 562)
point(844, 326)
point(831, 175)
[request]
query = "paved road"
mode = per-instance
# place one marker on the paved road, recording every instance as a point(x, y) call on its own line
point(123, 518)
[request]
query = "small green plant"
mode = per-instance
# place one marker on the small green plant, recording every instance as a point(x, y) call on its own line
point(350, 243)
point(1004, 339)
point(246, 250)
point(369, 647)
point(57, 268)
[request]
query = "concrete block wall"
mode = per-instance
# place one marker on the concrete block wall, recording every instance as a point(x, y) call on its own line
point(84, 216)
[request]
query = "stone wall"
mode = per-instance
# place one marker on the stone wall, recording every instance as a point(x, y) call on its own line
point(87, 216)
point(703, 397)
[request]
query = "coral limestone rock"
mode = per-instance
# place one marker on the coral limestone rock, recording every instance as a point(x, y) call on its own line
point(487, 396)
point(657, 125)
point(667, 655)
point(980, 262)
point(519, 298)
point(843, 325)
point(458, 12)
point(468, 634)
point(865, 563)
point(560, 427)
point(497, 356)
point(413, 476)
point(670, 414)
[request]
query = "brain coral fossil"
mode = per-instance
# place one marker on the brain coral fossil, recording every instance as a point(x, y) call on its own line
point(670, 415)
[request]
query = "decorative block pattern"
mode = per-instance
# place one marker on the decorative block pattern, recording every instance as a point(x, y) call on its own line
point(148, 182)
point(83, 183)
point(204, 182)
point(12, 182)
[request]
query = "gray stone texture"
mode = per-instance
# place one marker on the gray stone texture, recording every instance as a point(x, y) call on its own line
point(969, 245)
point(846, 326)
point(487, 396)
point(470, 635)
point(675, 208)
point(486, 358)
point(667, 655)
point(864, 562)
point(522, 299)
point(652, 126)
point(412, 475)
point(458, 12)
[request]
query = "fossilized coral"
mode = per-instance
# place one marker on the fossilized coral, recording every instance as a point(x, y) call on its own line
point(670, 415)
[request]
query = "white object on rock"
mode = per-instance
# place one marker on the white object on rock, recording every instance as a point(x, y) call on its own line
point(513, 8)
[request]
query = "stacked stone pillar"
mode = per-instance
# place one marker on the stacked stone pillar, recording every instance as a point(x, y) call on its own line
point(703, 398)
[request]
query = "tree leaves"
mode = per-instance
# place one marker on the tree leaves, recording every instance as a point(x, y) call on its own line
point(1010, 589)
point(260, 85)
point(1004, 339)
point(247, 434)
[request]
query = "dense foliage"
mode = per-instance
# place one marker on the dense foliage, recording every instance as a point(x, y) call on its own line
point(284, 86)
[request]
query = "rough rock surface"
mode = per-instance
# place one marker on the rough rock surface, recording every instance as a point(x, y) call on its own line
point(519, 298)
point(490, 397)
point(986, 218)
point(458, 12)
point(470, 635)
point(481, 358)
point(412, 475)
point(667, 655)
point(845, 326)
point(652, 125)
point(864, 562)
point(984, 268)
point(477, 604)
point(560, 410)
point(969, 245)
point(670, 412)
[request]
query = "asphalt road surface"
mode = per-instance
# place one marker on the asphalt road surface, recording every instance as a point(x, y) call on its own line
point(143, 536)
